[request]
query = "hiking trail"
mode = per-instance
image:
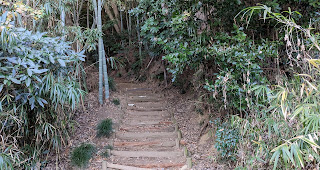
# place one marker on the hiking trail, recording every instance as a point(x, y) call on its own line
point(147, 136)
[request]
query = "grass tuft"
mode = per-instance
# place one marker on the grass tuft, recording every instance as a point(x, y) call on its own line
point(116, 101)
point(112, 84)
point(104, 128)
point(81, 155)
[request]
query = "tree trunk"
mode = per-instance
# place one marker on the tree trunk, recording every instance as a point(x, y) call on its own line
point(115, 11)
point(109, 13)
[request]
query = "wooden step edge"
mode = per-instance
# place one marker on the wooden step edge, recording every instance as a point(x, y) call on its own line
point(146, 109)
point(145, 135)
point(123, 167)
point(145, 143)
point(147, 123)
point(148, 154)
point(147, 129)
point(138, 89)
point(147, 113)
point(164, 165)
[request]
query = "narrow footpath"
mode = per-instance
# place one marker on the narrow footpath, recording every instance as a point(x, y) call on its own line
point(147, 137)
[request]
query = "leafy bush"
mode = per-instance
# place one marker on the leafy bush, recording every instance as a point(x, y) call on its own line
point(104, 128)
point(240, 62)
point(227, 139)
point(38, 93)
point(116, 101)
point(81, 155)
point(171, 28)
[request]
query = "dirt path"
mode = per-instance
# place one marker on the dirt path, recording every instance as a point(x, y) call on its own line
point(147, 135)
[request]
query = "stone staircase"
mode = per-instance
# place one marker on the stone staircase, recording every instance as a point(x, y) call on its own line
point(147, 137)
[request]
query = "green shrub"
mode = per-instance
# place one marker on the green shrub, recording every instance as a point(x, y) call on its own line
point(112, 84)
point(116, 101)
point(38, 93)
point(227, 138)
point(81, 155)
point(104, 128)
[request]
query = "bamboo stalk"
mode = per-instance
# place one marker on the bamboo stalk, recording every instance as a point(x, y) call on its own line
point(97, 9)
point(88, 21)
point(129, 30)
point(63, 20)
point(139, 39)
point(105, 74)
point(121, 20)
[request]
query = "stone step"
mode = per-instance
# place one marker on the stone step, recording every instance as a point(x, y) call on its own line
point(156, 143)
point(142, 109)
point(143, 99)
point(148, 117)
point(149, 154)
point(142, 93)
point(145, 128)
point(147, 104)
point(145, 135)
point(144, 89)
point(147, 113)
point(152, 163)
point(145, 122)
point(124, 167)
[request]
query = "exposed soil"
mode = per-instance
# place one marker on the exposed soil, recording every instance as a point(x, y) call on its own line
point(199, 140)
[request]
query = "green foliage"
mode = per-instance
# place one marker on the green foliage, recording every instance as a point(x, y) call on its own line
point(5, 161)
point(227, 139)
point(289, 111)
point(240, 62)
point(112, 84)
point(38, 93)
point(104, 128)
point(81, 155)
point(116, 101)
point(169, 26)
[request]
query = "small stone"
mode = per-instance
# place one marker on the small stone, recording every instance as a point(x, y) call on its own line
point(196, 156)
point(179, 110)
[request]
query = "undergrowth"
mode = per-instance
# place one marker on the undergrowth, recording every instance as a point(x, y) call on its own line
point(81, 155)
point(112, 84)
point(104, 128)
point(227, 138)
point(116, 102)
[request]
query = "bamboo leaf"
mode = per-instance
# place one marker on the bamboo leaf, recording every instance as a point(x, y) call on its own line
point(61, 62)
